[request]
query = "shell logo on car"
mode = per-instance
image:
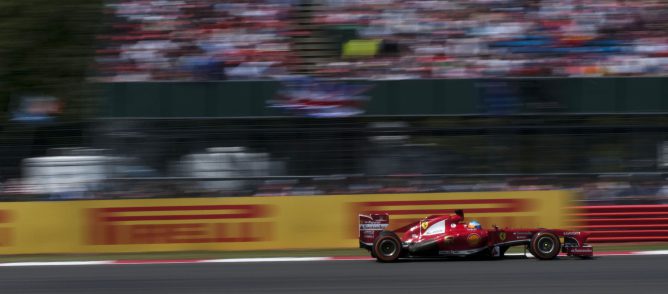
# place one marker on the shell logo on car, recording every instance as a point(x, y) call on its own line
point(448, 240)
point(473, 239)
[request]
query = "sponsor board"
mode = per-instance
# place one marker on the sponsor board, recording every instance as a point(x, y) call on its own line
point(180, 224)
point(5, 228)
point(248, 223)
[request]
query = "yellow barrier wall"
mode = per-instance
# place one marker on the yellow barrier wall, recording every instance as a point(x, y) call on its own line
point(248, 223)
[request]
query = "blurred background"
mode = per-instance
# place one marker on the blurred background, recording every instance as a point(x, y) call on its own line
point(195, 116)
point(200, 98)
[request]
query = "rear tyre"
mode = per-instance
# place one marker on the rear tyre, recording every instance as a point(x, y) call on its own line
point(387, 247)
point(545, 246)
point(382, 233)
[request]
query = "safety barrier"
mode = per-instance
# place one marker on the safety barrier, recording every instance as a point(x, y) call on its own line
point(622, 223)
point(397, 97)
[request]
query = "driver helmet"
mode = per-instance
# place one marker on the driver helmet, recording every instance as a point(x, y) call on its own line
point(474, 225)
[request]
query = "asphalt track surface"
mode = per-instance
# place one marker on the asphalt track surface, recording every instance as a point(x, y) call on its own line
point(610, 274)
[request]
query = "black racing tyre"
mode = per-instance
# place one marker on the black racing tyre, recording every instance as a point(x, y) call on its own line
point(387, 247)
point(382, 233)
point(545, 246)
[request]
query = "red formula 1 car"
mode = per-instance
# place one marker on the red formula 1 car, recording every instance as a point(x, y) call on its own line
point(449, 236)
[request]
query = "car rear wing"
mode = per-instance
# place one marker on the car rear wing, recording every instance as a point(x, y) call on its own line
point(370, 227)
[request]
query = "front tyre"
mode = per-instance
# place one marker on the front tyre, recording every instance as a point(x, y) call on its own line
point(545, 246)
point(387, 247)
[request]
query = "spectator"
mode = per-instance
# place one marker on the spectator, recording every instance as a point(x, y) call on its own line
point(465, 38)
point(194, 39)
point(392, 39)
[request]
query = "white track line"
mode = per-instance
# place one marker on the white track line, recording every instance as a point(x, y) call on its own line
point(270, 259)
point(57, 263)
point(653, 252)
point(520, 254)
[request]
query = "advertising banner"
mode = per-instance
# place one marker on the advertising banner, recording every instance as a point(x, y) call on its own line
point(249, 223)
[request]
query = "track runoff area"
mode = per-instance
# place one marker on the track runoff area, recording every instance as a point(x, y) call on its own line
point(620, 272)
point(282, 259)
point(276, 259)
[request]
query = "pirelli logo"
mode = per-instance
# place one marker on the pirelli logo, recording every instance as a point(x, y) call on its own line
point(487, 211)
point(5, 228)
point(181, 224)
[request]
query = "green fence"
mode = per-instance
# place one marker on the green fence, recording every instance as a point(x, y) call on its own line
point(404, 97)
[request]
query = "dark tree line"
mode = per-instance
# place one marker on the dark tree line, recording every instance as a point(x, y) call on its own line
point(47, 48)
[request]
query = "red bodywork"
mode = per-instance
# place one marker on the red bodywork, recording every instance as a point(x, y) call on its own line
point(448, 236)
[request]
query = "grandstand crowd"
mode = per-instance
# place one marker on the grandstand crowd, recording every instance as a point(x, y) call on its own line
point(194, 39)
point(253, 39)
